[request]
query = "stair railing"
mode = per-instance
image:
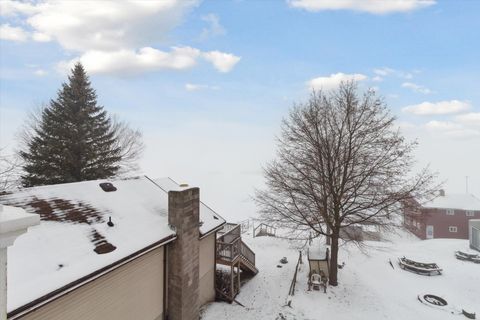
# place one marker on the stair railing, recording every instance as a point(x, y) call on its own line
point(247, 253)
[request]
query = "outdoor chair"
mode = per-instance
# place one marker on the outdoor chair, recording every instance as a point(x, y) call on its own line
point(316, 281)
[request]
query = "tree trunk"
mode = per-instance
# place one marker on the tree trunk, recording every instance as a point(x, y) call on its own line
point(328, 237)
point(334, 259)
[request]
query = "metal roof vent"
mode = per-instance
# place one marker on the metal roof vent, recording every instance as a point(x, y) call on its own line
point(110, 223)
point(183, 185)
point(107, 187)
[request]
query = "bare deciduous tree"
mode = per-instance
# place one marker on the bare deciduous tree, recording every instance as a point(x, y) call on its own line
point(131, 146)
point(10, 169)
point(341, 162)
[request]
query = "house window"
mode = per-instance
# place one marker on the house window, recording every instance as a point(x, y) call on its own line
point(470, 213)
point(450, 212)
point(452, 229)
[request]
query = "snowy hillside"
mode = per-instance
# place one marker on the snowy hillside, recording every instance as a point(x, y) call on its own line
point(368, 286)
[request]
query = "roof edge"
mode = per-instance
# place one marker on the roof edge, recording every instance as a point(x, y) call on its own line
point(206, 234)
point(209, 231)
point(56, 294)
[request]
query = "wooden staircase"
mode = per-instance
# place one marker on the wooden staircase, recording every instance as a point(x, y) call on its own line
point(233, 252)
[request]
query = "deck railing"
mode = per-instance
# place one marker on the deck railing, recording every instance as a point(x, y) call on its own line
point(230, 251)
point(245, 225)
point(264, 230)
point(229, 233)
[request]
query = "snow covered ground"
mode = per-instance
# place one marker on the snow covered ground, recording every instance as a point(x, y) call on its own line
point(368, 286)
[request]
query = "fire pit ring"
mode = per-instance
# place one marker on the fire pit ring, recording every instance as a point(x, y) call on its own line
point(442, 304)
point(435, 300)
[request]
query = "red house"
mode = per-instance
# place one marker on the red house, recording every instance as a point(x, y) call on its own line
point(446, 216)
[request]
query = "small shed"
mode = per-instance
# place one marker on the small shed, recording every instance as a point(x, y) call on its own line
point(318, 259)
point(474, 233)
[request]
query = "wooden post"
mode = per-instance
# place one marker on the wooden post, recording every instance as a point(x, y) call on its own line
point(238, 275)
point(232, 287)
point(328, 239)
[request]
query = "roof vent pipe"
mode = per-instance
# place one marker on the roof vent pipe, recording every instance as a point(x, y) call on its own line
point(110, 223)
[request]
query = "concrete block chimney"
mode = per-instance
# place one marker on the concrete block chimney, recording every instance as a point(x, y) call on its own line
point(183, 255)
point(13, 223)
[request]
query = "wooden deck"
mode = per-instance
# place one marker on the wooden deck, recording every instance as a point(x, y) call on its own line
point(264, 230)
point(233, 252)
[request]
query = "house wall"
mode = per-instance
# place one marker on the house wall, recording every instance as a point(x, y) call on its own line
point(418, 221)
point(133, 291)
point(441, 222)
point(414, 222)
point(207, 269)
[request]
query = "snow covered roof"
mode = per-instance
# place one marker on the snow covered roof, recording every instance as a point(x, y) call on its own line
point(73, 238)
point(317, 251)
point(209, 219)
point(462, 201)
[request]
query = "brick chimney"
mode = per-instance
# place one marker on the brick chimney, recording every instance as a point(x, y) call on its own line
point(183, 255)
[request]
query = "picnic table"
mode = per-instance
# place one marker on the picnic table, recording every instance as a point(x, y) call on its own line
point(419, 267)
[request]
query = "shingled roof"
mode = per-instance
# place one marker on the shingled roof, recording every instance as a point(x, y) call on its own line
point(74, 238)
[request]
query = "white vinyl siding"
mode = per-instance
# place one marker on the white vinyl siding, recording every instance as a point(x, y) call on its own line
point(133, 291)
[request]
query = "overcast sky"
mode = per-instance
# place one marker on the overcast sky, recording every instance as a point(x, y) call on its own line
point(208, 82)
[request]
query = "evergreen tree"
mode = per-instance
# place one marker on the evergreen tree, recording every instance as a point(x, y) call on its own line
point(74, 139)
